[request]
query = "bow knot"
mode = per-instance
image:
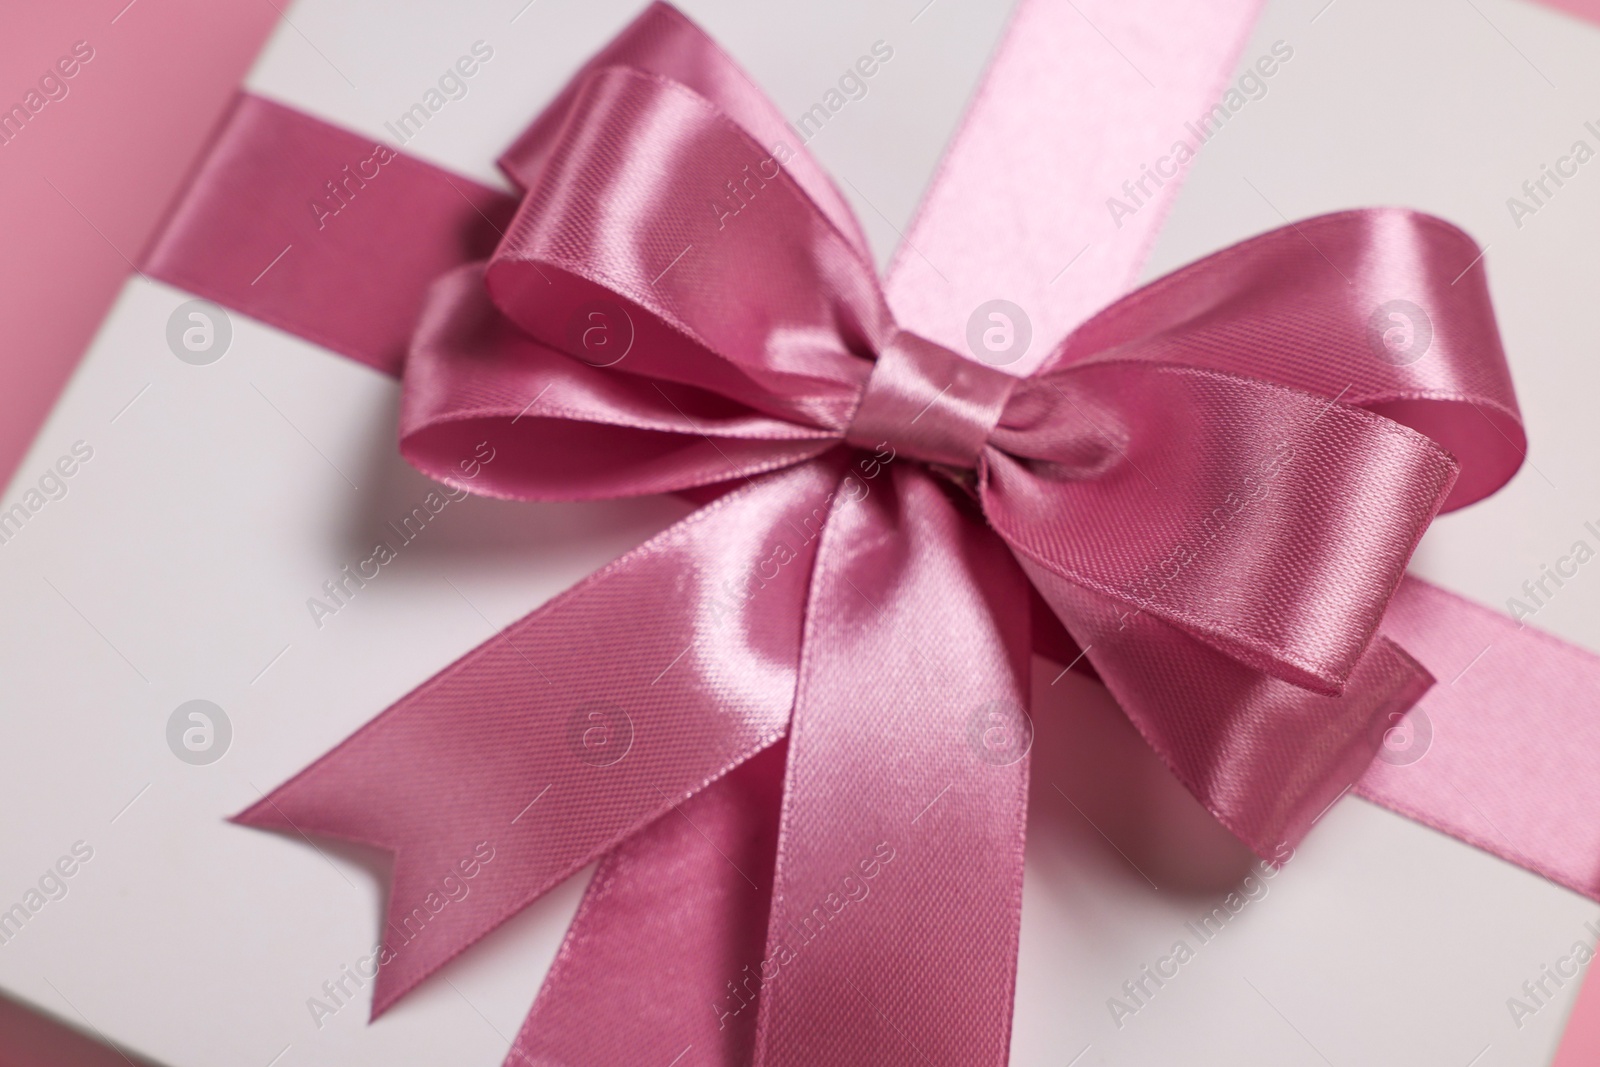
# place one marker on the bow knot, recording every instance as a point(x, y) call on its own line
point(929, 403)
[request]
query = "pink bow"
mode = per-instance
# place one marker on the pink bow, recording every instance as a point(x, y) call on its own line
point(1215, 485)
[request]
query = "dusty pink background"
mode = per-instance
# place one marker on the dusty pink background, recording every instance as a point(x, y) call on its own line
point(1589, 9)
point(117, 147)
point(1580, 1045)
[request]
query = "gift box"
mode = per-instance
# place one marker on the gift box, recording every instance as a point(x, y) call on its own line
point(222, 566)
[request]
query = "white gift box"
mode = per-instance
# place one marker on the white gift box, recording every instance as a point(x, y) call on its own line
point(179, 516)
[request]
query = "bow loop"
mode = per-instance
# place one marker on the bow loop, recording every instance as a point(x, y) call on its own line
point(663, 43)
point(565, 428)
point(1269, 523)
point(658, 210)
point(1382, 308)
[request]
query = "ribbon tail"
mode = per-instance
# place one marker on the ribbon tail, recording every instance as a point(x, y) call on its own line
point(580, 724)
point(663, 955)
point(1505, 743)
point(897, 894)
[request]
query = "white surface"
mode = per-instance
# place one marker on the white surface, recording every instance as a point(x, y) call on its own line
point(183, 553)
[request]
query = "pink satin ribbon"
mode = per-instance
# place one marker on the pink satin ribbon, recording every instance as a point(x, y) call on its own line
point(1215, 484)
